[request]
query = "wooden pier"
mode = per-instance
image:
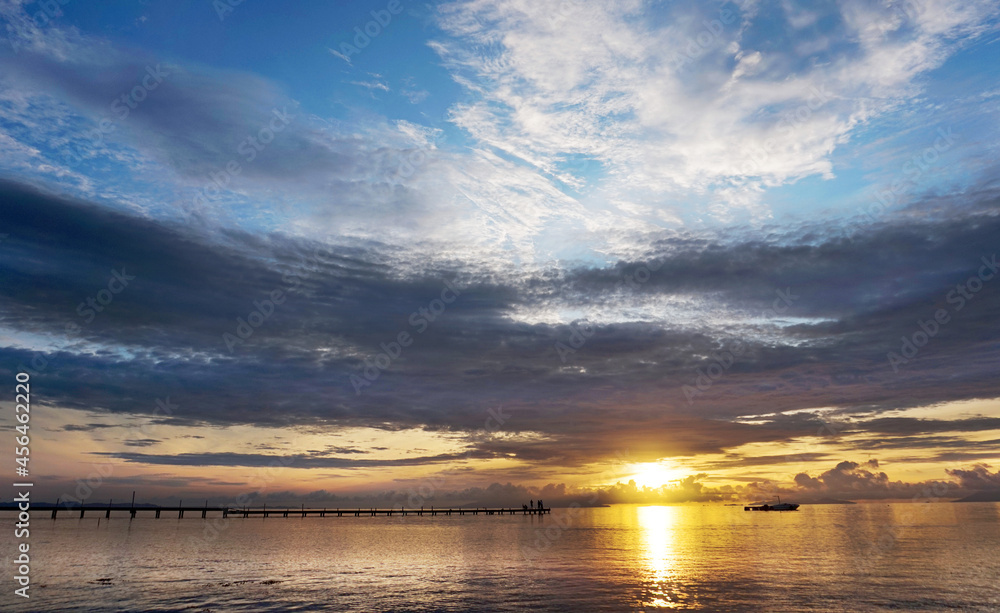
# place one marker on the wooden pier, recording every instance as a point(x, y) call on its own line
point(263, 511)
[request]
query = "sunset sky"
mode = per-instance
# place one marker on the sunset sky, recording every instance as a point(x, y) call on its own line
point(483, 250)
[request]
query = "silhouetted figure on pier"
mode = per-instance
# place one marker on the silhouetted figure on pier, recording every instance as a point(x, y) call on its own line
point(540, 507)
point(532, 503)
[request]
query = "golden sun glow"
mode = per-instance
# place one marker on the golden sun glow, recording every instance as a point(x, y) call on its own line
point(655, 474)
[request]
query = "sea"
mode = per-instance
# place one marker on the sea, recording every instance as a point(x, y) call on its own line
point(862, 557)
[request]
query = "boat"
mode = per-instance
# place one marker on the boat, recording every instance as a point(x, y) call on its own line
point(781, 506)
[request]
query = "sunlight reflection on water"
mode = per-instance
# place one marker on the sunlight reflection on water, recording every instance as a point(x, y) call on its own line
point(659, 529)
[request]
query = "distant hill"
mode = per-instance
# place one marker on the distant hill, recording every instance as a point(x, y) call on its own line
point(993, 496)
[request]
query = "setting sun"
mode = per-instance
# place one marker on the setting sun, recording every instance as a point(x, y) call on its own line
point(655, 474)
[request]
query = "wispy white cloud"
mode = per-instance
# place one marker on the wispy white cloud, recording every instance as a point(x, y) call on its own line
point(338, 54)
point(706, 98)
point(372, 85)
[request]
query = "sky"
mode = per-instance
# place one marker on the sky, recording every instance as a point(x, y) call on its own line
point(480, 251)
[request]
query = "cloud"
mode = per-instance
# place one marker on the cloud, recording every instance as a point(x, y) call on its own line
point(338, 54)
point(851, 476)
point(86, 427)
point(497, 343)
point(266, 460)
point(216, 147)
point(850, 480)
point(810, 483)
point(703, 98)
point(978, 477)
point(372, 85)
point(142, 442)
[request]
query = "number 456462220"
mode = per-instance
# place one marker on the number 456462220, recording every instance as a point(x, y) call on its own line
point(23, 413)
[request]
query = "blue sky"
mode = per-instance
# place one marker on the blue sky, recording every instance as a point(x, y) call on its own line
point(851, 91)
point(537, 153)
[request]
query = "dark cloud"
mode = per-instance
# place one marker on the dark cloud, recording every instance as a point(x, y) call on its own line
point(295, 460)
point(852, 476)
point(806, 482)
point(852, 422)
point(345, 450)
point(850, 480)
point(923, 442)
point(141, 442)
point(906, 425)
point(86, 427)
point(978, 477)
point(161, 338)
point(737, 461)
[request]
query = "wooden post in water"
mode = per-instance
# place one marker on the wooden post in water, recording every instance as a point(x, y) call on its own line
point(132, 508)
point(180, 509)
point(205, 510)
point(107, 514)
point(157, 513)
point(55, 508)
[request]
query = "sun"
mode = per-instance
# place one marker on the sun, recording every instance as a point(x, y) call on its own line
point(655, 474)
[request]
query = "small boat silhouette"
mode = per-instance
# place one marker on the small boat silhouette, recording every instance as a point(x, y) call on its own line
point(781, 506)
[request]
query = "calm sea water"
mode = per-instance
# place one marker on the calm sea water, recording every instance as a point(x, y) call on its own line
point(866, 557)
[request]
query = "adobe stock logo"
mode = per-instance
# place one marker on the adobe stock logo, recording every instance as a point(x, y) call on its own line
point(122, 106)
point(704, 40)
point(262, 310)
point(249, 148)
point(928, 329)
point(93, 305)
point(420, 320)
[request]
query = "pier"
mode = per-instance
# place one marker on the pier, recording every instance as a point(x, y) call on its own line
point(203, 511)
